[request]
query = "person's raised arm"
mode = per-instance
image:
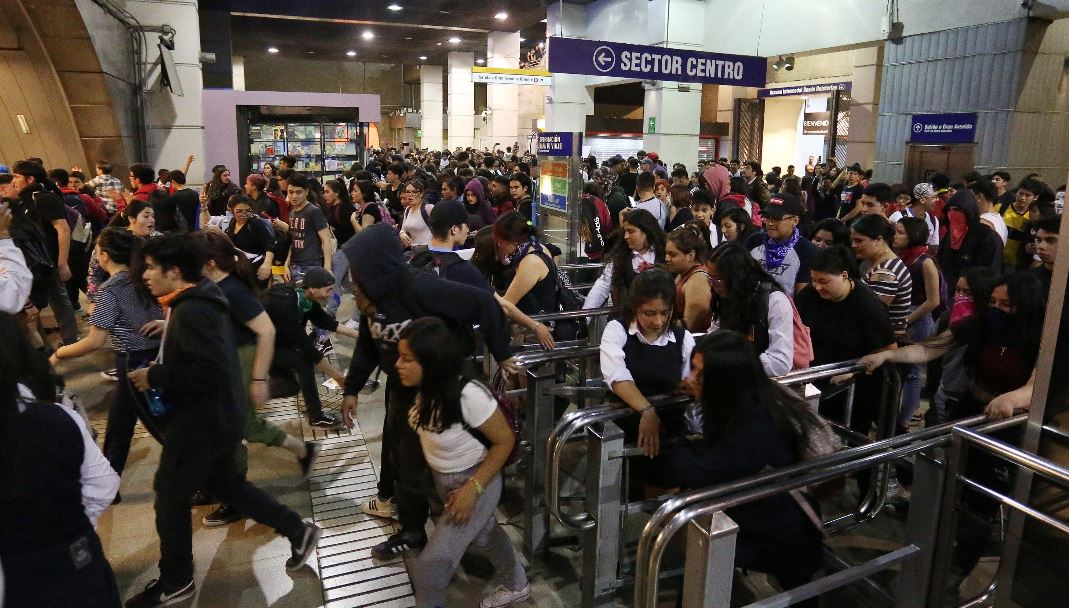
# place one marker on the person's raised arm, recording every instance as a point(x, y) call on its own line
point(189, 162)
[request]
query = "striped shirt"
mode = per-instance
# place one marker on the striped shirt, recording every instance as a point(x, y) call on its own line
point(891, 279)
point(120, 310)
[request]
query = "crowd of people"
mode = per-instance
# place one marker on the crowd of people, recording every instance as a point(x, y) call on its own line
point(213, 300)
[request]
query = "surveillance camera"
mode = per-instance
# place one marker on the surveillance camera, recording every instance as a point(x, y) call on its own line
point(1027, 4)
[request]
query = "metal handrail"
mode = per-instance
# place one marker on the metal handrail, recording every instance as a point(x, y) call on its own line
point(566, 429)
point(531, 359)
point(587, 266)
point(578, 314)
point(1016, 456)
point(571, 423)
point(654, 541)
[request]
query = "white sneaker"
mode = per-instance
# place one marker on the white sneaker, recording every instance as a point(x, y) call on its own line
point(504, 596)
point(380, 507)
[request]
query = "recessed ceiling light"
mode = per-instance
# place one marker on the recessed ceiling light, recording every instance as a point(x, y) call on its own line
point(394, 7)
point(367, 35)
point(501, 16)
point(272, 50)
point(310, 52)
point(480, 61)
point(408, 37)
point(351, 53)
point(454, 40)
point(522, 39)
point(423, 58)
point(439, 44)
point(543, 21)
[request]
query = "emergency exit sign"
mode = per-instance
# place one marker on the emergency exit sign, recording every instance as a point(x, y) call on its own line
point(651, 124)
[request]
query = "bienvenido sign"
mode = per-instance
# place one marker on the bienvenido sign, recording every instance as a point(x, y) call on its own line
point(955, 128)
point(601, 58)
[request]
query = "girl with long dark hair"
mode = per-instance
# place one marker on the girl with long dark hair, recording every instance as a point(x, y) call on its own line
point(643, 354)
point(529, 280)
point(251, 234)
point(872, 238)
point(640, 247)
point(750, 423)
point(56, 484)
point(255, 340)
point(830, 232)
point(911, 243)
point(749, 300)
point(466, 441)
point(124, 311)
point(684, 256)
point(679, 212)
point(367, 210)
point(735, 225)
point(218, 191)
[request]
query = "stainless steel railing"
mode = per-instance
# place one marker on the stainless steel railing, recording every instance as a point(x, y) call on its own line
point(682, 510)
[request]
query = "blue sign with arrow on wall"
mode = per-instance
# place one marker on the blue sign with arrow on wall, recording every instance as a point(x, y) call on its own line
point(602, 58)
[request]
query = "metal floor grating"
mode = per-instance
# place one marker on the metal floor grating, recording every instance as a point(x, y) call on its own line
point(341, 480)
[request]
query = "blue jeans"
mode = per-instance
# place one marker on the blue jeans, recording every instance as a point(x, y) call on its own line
point(122, 416)
point(339, 265)
point(921, 330)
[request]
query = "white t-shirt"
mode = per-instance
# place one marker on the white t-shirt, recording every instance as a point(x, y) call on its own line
point(414, 225)
point(455, 449)
point(656, 207)
point(997, 223)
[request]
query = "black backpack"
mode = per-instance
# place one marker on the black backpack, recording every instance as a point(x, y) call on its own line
point(426, 259)
point(568, 300)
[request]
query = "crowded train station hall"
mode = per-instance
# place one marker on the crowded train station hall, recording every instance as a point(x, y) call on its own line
point(584, 303)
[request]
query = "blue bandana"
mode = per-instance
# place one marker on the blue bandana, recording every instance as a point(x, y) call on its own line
point(775, 252)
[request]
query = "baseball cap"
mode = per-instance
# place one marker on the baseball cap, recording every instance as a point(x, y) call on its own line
point(652, 155)
point(782, 205)
point(317, 277)
point(448, 214)
point(645, 161)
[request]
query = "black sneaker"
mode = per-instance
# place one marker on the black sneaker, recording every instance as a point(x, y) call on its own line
point(398, 544)
point(303, 547)
point(311, 453)
point(155, 595)
point(201, 499)
point(222, 516)
point(324, 421)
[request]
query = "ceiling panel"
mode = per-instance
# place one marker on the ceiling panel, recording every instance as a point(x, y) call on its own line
point(328, 29)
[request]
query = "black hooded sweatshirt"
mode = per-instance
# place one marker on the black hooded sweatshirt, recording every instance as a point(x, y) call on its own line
point(982, 246)
point(395, 288)
point(199, 375)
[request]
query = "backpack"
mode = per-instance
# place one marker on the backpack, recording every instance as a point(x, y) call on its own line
point(568, 300)
point(428, 260)
point(507, 407)
point(81, 229)
point(803, 341)
point(464, 333)
point(30, 239)
point(384, 213)
point(944, 289)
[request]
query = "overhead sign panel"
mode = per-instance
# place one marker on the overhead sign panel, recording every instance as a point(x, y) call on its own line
point(557, 143)
point(601, 58)
point(816, 123)
point(511, 76)
point(957, 128)
point(805, 89)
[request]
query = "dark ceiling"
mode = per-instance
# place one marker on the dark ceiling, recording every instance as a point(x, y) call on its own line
point(327, 29)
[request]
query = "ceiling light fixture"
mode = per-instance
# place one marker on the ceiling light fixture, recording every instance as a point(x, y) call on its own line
point(454, 40)
point(272, 50)
point(522, 39)
point(543, 21)
point(501, 16)
point(423, 58)
point(480, 61)
point(394, 7)
point(367, 35)
point(778, 65)
point(351, 53)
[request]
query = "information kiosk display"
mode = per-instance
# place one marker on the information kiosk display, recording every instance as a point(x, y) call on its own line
point(560, 185)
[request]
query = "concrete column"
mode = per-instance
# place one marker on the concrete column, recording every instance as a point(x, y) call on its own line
point(238, 66)
point(568, 99)
point(674, 107)
point(461, 108)
point(431, 102)
point(503, 125)
point(175, 125)
point(864, 107)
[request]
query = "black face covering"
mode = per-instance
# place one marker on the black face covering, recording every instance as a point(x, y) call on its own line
point(998, 324)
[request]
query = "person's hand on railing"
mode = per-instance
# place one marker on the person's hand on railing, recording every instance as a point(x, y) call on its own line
point(649, 433)
point(1007, 404)
point(873, 362)
point(545, 337)
point(509, 367)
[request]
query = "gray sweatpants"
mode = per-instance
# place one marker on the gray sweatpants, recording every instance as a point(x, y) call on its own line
point(482, 534)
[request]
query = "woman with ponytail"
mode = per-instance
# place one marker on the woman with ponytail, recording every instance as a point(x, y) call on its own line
point(254, 336)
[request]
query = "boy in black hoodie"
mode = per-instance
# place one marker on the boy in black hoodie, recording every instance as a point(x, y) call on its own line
point(199, 376)
point(391, 294)
point(968, 242)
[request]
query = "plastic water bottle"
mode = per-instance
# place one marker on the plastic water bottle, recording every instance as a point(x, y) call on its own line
point(156, 406)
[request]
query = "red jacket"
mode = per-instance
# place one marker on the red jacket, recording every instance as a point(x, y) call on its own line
point(144, 192)
point(94, 206)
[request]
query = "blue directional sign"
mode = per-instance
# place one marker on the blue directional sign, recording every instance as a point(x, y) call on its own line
point(956, 128)
point(601, 58)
